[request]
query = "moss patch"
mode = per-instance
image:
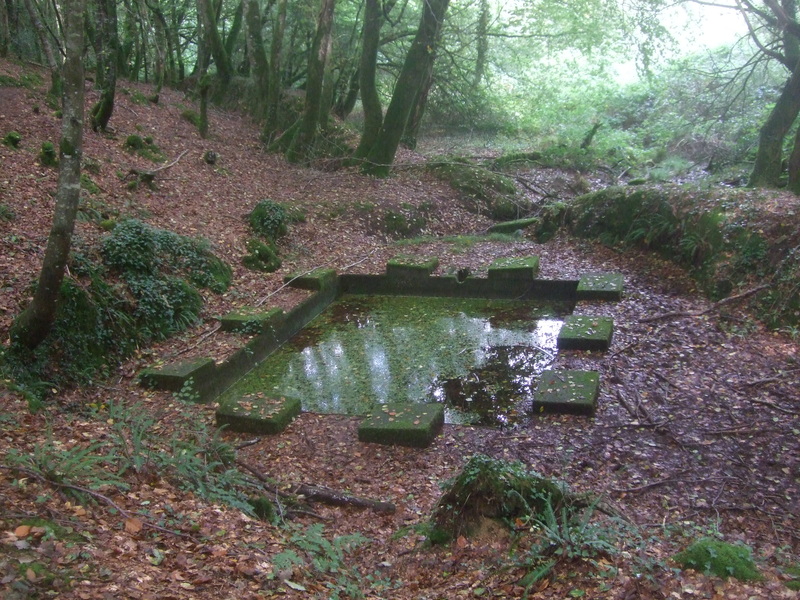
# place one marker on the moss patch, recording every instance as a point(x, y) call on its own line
point(249, 320)
point(586, 333)
point(403, 424)
point(601, 286)
point(514, 269)
point(513, 226)
point(258, 413)
point(411, 267)
point(715, 557)
point(567, 392)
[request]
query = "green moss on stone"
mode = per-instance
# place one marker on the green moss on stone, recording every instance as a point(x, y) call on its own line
point(601, 286)
point(316, 280)
point(715, 557)
point(514, 268)
point(567, 392)
point(258, 413)
point(513, 226)
point(174, 376)
point(249, 320)
point(407, 268)
point(586, 333)
point(403, 424)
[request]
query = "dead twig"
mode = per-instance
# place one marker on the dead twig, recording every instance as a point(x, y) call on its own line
point(203, 338)
point(774, 406)
point(712, 308)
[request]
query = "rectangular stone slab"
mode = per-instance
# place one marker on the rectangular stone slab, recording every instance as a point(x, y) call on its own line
point(567, 392)
point(258, 413)
point(172, 377)
point(586, 333)
point(403, 424)
point(515, 268)
point(249, 320)
point(601, 286)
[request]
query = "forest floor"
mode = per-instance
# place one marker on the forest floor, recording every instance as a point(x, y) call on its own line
point(697, 430)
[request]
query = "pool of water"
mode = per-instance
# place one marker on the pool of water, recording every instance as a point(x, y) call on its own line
point(481, 358)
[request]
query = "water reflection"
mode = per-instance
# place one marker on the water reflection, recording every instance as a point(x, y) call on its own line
point(481, 358)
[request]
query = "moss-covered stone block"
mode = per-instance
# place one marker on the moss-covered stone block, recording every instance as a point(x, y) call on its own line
point(567, 392)
point(586, 333)
point(601, 286)
point(258, 413)
point(249, 320)
point(411, 267)
point(403, 424)
point(173, 377)
point(519, 269)
point(316, 280)
point(513, 226)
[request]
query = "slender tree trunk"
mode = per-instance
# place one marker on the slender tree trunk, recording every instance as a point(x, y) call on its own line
point(213, 40)
point(47, 48)
point(32, 326)
point(769, 158)
point(347, 102)
point(481, 44)
point(256, 51)
point(409, 139)
point(236, 28)
point(5, 32)
point(108, 44)
point(303, 144)
point(794, 165)
point(367, 70)
point(271, 123)
point(404, 98)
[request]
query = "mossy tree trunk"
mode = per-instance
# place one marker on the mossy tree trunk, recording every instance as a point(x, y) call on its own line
point(47, 48)
point(32, 326)
point(769, 158)
point(108, 47)
point(367, 71)
point(271, 123)
point(409, 138)
point(259, 64)
point(794, 165)
point(5, 32)
point(213, 40)
point(236, 28)
point(406, 90)
point(302, 146)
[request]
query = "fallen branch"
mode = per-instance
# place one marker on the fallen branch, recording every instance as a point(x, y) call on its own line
point(149, 177)
point(774, 406)
point(203, 338)
point(712, 308)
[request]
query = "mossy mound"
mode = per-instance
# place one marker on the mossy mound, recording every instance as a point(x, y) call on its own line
point(413, 425)
point(483, 191)
point(715, 557)
point(513, 226)
point(269, 220)
point(12, 139)
point(262, 256)
point(144, 147)
point(258, 413)
point(495, 489)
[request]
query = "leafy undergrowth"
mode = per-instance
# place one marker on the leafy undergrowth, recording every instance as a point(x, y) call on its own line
point(111, 490)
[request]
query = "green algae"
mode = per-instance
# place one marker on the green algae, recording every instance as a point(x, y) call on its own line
point(364, 352)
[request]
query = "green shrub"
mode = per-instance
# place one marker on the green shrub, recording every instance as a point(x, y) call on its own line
point(715, 557)
point(6, 213)
point(12, 139)
point(191, 116)
point(134, 142)
point(144, 147)
point(269, 220)
point(48, 155)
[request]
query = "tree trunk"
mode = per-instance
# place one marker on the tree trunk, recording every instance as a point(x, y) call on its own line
point(303, 144)
point(404, 98)
point(5, 32)
point(347, 102)
point(108, 44)
point(481, 44)
point(256, 52)
point(272, 124)
point(236, 28)
point(370, 101)
point(47, 49)
point(409, 139)
point(794, 165)
point(32, 326)
point(767, 168)
point(213, 40)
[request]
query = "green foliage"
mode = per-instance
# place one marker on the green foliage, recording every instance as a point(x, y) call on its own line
point(12, 139)
point(715, 557)
point(269, 220)
point(396, 224)
point(262, 256)
point(191, 116)
point(7, 213)
point(164, 305)
point(323, 559)
point(48, 155)
point(144, 147)
point(88, 184)
point(491, 488)
point(28, 79)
